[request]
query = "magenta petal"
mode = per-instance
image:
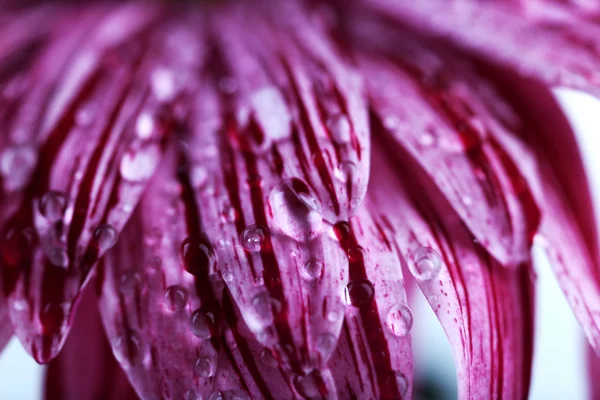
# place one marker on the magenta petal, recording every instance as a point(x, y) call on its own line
point(78, 169)
point(486, 310)
point(593, 362)
point(85, 368)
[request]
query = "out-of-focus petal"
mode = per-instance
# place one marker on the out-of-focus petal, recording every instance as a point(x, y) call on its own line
point(593, 362)
point(86, 133)
point(486, 310)
point(86, 368)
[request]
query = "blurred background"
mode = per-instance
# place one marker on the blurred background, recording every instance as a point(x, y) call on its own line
point(559, 369)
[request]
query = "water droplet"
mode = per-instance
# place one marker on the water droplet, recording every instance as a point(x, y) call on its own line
point(215, 396)
point(16, 164)
point(400, 320)
point(192, 394)
point(139, 165)
point(426, 263)
point(131, 283)
point(294, 210)
point(197, 256)
point(267, 358)
point(229, 214)
point(339, 128)
point(129, 350)
point(262, 303)
point(333, 316)
point(253, 237)
point(427, 139)
point(105, 237)
point(198, 177)
point(342, 231)
point(326, 344)
point(467, 200)
point(163, 84)
point(176, 297)
point(53, 205)
point(357, 255)
point(205, 367)
point(402, 383)
point(359, 293)
point(312, 269)
point(202, 324)
point(144, 126)
point(58, 257)
point(346, 171)
point(307, 385)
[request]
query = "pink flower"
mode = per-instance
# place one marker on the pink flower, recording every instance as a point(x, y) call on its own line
point(246, 190)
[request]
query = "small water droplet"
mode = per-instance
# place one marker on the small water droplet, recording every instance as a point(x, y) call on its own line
point(346, 171)
point(253, 237)
point(198, 177)
point(267, 358)
point(359, 293)
point(342, 231)
point(163, 84)
point(105, 237)
point(176, 298)
point(197, 256)
point(307, 385)
point(58, 257)
point(467, 200)
point(427, 139)
point(53, 205)
point(144, 126)
point(294, 210)
point(312, 269)
point(229, 214)
point(357, 255)
point(262, 303)
point(202, 324)
point(205, 367)
point(426, 263)
point(129, 350)
point(333, 316)
point(326, 344)
point(131, 283)
point(339, 128)
point(16, 165)
point(227, 277)
point(400, 320)
point(402, 383)
point(138, 165)
point(192, 394)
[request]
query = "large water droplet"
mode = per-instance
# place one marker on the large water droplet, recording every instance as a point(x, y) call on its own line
point(53, 205)
point(202, 324)
point(293, 211)
point(176, 297)
point(131, 283)
point(253, 237)
point(105, 237)
point(400, 320)
point(205, 367)
point(339, 128)
point(312, 269)
point(16, 165)
point(359, 292)
point(426, 263)
point(197, 256)
point(326, 344)
point(138, 165)
point(129, 349)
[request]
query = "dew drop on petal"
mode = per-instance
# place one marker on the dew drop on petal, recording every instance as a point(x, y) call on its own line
point(294, 210)
point(105, 237)
point(267, 358)
point(229, 214)
point(346, 171)
point(342, 231)
point(253, 237)
point(339, 128)
point(192, 394)
point(16, 165)
point(129, 349)
point(359, 292)
point(227, 277)
point(144, 126)
point(326, 344)
point(197, 256)
point(312, 269)
point(400, 320)
point(176, 297)
point(131, 283)
point(58, 257)
point(426, 263)
point(202, 324)
point(198, 177)
point(205, 367)
point(307, 385)
point(163, 84)
point(138, 165)
point(53, 205)
point(262, 304)
point(402, 383)
point(215, 396)
point(357, 254)
point(427, 139)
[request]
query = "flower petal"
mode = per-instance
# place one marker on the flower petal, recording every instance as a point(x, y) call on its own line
point(81, 167)
point(85, 368)
point(486, 310)
point(593, 362)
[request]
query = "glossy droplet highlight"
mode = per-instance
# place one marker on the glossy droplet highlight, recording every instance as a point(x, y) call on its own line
point(262, 306)
point(105, 237)
point(197, 256)
point(346, 172)
point(202, 324)
point(326, 344)
point(359, 293)
point(295, 211)
point(402, 383)
point(205, 367)
point(357, 255)
point(339, 128)
point(426, 263)
point(16, 165)
point(138, 165)
point(253, 238)
point(52, 206)
point(176, 298)
point(400, 320)
point(129, 350)
point(312, 269)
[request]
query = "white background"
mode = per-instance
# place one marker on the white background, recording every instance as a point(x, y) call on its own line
point(559, 370)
